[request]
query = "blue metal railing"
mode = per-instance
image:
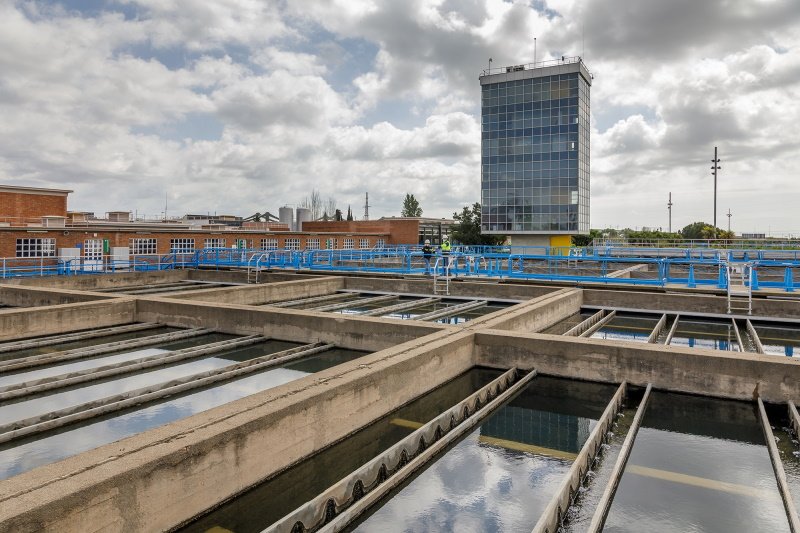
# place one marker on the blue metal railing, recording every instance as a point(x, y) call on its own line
point(773, 269)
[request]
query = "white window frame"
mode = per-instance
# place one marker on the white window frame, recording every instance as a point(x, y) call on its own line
point(349, 243)
point(214, 242)
point(269, 244)
point(36, 247)
point(143, 246)
point(363, 244)
point(181, 246)
point(331, 243)
point(291, 243)
point(312, 243)
point(380, 243)
point(93, 249)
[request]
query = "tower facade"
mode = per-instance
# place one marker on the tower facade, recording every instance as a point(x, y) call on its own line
point(535, 152)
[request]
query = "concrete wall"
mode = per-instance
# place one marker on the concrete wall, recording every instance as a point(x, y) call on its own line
point(102, 281)
point(693, 370)
point(266, 292)
point(357, 333)
point(156, 480)
point(502, 291)
point(34, 296)
point(240, 276)
point(25, 323)
point(685, 301)
point(535, 315)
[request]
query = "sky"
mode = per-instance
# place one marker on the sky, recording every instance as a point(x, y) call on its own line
point(243, 106)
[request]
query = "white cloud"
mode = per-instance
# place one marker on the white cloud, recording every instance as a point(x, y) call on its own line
point(266, 100)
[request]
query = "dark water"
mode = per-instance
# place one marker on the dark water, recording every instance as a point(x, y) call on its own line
point(568, 323)
point(63, 398)
point(85, 343)
point(698, 464)
point(466, 316)
point(114, 357)
point(501, 476)
point(582, 510)
point(788, 446)
point(24, 454)
point(698, 333)
point(272, 500)
point(779, 339)
point(627, 328)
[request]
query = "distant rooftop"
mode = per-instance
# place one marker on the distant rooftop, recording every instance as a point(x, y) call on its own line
point(33, 190)
point(564, 60)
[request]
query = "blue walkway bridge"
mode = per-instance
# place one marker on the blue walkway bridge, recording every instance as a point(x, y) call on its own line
point(658, 267)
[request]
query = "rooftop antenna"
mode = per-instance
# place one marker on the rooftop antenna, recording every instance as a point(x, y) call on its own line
point(366, 203)
point(534, 52)
point(669, 208)
point(583, 40)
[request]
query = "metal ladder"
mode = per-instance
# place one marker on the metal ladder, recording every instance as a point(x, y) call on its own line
point(740, 287)
point(441, 283)
point(253, 269)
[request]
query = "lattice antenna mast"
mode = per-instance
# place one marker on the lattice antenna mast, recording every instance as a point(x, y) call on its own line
point(366, 206)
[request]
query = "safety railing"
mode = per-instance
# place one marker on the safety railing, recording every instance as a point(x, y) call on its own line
point(668, 267)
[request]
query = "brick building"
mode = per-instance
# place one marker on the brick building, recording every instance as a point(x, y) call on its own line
point(23, 205)
point(35, 223)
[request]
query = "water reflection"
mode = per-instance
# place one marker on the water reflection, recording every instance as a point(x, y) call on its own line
point(273, 499)
point(20, 456)
point(698, 464)
point(502, 475)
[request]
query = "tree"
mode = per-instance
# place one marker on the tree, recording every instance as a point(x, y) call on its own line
point(704, 230)
point(467, 229)
point(349, 214)
point(411, 207)
point(314, 203)
point(329, 207)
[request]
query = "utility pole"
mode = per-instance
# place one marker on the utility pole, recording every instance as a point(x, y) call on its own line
point(714, 167)
point(729, 219)
point(669, 208)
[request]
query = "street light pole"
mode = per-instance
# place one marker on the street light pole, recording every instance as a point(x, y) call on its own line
point(714, 167)
point(729, 219)
point(669, 208)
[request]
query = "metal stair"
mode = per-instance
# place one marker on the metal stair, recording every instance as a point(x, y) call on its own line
point(441, 281)
point(740, 287)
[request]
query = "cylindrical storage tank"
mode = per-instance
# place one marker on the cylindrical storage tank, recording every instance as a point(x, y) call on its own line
point(286, 216)
point(303, 215)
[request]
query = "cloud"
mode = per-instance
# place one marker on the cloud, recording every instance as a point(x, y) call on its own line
point(266, 100)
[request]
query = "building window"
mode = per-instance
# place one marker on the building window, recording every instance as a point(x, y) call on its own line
point(93, 249)
point(331, 244)
point(181, 246)
point(291, 244)
point(214, 243)
point(312, 244)
point(36, 247)
point(380, 243)
point(349, 243)
point(363, 244)
point(143, 246)
point(269, 244)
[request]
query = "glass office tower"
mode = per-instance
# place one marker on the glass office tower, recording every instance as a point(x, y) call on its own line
point(535, 151)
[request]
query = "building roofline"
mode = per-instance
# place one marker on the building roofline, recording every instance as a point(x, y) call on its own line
point(34, 190)
point(565, 65)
